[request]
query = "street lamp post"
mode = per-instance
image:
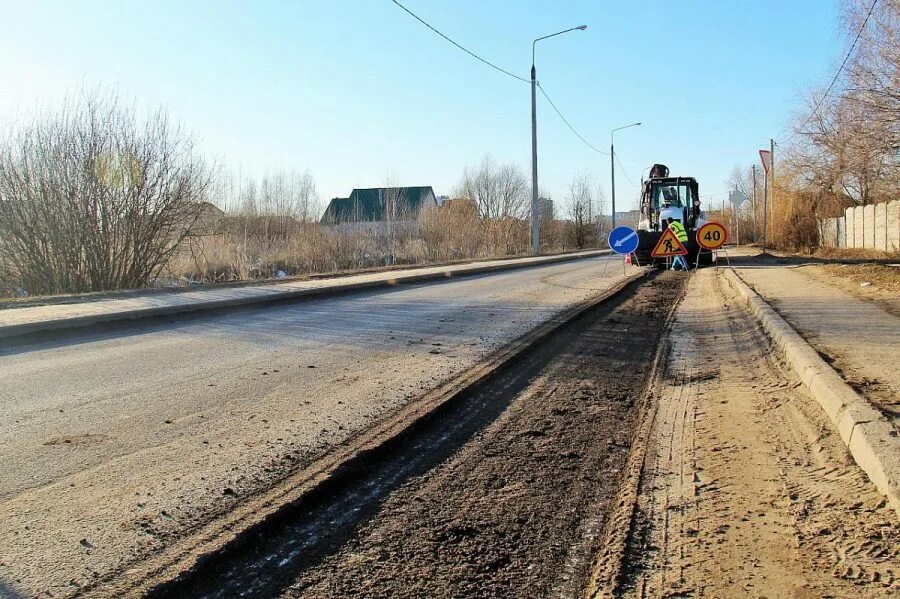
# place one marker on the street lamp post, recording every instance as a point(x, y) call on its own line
point(612, 167)
point(535, 201)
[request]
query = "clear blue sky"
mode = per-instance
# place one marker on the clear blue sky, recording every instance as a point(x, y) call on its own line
point(357, 91)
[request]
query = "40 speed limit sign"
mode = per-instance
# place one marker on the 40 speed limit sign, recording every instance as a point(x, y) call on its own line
point(712, 236)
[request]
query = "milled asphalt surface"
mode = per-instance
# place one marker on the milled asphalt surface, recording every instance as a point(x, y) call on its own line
point(115, 444)
point(858, 338)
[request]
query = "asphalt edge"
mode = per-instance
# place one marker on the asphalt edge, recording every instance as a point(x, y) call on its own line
point(16, 332)
point(869, 437)
point(185, 554)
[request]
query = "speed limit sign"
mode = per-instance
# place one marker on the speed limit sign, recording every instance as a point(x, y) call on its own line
point(712, 236)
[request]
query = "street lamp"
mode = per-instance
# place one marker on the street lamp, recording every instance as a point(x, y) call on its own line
point(535, 203)
point(612, 163)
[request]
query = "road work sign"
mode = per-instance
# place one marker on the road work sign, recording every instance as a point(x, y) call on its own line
point(623, 240)
point(668, 246)
point(712, 236)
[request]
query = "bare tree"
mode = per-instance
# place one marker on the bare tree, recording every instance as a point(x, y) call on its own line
point(93, 197)
point(849, 142)
point(499, 191)
point(580, 207)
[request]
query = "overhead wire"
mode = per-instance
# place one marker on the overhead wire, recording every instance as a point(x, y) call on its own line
point(840, 69)
point(466, 50)
point(622, 168)
point(505, 72)
point(568, 124)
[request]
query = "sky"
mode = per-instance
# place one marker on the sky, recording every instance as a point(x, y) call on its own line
point(360, 93)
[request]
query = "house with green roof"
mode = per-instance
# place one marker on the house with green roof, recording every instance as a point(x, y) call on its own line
point(380, 205)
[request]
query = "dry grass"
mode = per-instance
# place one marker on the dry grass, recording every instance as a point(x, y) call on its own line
point(854, 254)
point(881, 276)
point(246, 255)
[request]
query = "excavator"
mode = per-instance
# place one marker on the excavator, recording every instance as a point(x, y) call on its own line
point(664, 197)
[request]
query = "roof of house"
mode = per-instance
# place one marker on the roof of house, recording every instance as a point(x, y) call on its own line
point(368, 205)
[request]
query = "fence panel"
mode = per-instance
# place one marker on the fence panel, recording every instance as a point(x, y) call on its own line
point(892, 216)
point(869, 227)
point(880, 225)
point(828, 232)
point(873, 227)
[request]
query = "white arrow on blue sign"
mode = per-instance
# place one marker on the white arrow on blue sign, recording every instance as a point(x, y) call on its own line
point(623, 240)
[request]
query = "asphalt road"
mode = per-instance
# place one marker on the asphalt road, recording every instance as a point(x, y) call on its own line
point(114, 445)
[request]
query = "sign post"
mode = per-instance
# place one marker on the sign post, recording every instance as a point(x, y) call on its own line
point(766, 157)
point(711, 237)
point(624, 241)
point(737, 199)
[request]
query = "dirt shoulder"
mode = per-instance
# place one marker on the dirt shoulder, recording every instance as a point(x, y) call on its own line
point(746, 490)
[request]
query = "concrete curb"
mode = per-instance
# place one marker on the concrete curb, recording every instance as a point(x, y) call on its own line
point(391, 278)
point(868, 435)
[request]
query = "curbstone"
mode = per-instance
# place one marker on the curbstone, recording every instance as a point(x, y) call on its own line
point(871, 439)
point(270, 294)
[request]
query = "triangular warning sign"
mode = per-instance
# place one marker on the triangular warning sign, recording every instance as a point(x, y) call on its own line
point(668, 246)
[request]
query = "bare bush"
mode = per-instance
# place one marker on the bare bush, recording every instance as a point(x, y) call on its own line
point(94, 198)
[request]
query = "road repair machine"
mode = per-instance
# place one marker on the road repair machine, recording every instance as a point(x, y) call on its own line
point(665, 197)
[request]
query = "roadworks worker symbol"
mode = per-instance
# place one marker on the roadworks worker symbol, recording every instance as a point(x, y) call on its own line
point(712, 236)
point(668, 246)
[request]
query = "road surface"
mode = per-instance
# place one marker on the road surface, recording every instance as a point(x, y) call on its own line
point(116, 444)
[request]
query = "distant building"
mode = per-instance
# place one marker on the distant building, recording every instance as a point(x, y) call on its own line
point(629, 218)
point(380, 205)
point(208, 218)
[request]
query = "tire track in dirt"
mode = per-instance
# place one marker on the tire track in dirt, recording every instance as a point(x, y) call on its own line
point(747, 491)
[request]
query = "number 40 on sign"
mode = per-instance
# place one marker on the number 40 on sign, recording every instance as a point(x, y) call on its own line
point(712, 236)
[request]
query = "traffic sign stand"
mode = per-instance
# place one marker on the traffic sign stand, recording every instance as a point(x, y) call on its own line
point(624, 241)
point(643, 270)
point(712, 237)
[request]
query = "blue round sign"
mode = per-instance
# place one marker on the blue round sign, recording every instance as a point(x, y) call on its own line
point(623, 240)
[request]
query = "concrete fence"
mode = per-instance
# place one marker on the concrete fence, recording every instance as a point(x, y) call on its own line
point(872, 227)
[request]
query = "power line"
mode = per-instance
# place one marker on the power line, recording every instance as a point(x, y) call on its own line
point(841, 69)
point(505, 72)
point(469, 52)
point(568, 124)
point(622, 168)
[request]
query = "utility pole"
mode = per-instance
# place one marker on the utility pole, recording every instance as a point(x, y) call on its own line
point(535, 201)
point(765, 211)
point(755, 222)
point(772, 167)
point(612, 174)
